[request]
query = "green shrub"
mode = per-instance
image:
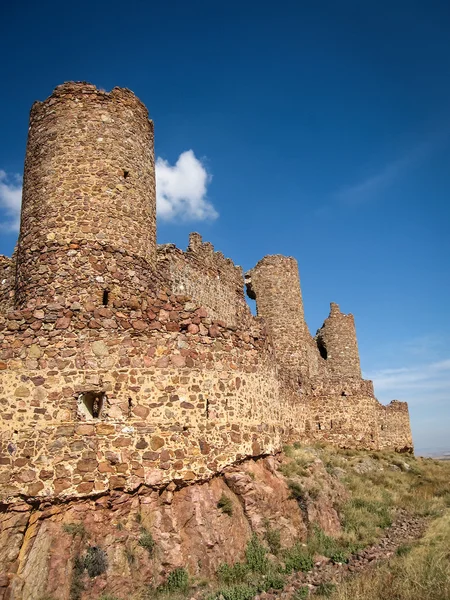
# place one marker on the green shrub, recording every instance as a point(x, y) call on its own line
point(321, 543)
point(232, 574)
point(297, 558)
point(403, 549)
point(178, 580)
point(95, 561)
point(272, 580)
point(301, 594)
point(273, 540)
point(225, 505)
point(255, 555)
point(242, 591)
point(146, 541)
point(339, 556)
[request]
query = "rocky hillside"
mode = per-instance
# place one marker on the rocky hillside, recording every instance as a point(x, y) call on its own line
point(255, 528)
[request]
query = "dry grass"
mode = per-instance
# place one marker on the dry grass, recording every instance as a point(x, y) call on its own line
point(389, 481)
point(422, 573)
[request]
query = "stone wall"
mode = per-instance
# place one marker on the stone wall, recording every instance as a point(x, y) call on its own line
point(182, 396)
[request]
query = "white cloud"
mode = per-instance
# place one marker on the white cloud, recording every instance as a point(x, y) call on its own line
point(181, 189)
point(10, 199)
point(180, 192)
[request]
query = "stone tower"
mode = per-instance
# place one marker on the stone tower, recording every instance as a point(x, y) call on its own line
point(88, 223)
point(337, 343)
point(275, 284)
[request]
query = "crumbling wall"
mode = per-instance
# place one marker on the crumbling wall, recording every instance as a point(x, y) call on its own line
point(337, 343)
point(89, 182)
point(394, 427)
point(207, 277)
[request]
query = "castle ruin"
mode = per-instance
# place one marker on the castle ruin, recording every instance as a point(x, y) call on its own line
point(124, 363)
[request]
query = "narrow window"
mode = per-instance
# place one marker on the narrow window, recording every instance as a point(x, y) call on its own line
point(92, 403)
point(105, 297)
point(331, 424)
point(125, 174)
point(319, 427)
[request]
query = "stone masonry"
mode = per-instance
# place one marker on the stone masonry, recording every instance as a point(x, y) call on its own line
point(125, 364)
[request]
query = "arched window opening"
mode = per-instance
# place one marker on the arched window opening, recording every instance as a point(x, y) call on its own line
point(105, 299)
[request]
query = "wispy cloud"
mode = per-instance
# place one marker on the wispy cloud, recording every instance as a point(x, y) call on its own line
point(388, 174)
point(426, 382)
point(181, 192)
point(10, 200)
point(417, 371)
point(181, 189)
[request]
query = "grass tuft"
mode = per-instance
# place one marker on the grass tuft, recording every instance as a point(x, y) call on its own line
point(225, 505)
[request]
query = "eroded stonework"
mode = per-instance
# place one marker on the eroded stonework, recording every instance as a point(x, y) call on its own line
point(124, 364)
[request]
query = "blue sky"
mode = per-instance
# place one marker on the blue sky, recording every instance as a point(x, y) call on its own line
point(319, 130)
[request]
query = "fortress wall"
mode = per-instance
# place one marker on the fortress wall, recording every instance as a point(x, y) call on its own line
point(345, 421)
point(89, 176)
point(207, 277)
point(7, 273)
point(180, 403)
point(175, 437)
point(185, 396)
point(394, 427)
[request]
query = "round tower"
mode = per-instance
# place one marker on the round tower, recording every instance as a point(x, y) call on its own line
point(88, 223)
point(337, 343)
point(275, 284)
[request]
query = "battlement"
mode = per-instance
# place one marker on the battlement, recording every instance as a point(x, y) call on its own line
point(124, 364)
point(207, 276)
